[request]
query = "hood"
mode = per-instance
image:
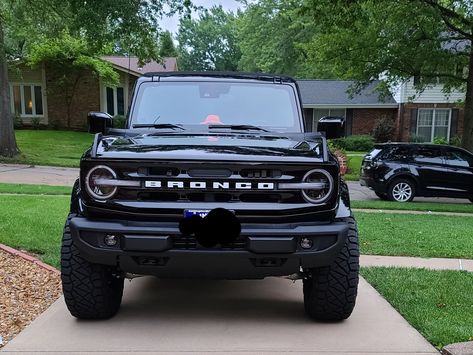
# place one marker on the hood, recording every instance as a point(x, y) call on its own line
point(214, 146)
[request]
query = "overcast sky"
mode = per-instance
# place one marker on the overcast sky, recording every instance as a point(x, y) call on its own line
point(171, 23)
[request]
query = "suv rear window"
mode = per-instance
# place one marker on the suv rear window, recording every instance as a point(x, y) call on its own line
point(396, 153)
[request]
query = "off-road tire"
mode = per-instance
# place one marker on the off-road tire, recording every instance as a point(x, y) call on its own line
point(396, 182)
point(330, 291)
point(381, 196)
point(91, 291)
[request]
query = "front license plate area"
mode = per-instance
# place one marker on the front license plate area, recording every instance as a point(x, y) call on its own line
point(200, 213)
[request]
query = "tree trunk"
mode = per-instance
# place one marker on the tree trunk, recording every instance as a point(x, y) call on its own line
point(8, 145)
point(467, 138)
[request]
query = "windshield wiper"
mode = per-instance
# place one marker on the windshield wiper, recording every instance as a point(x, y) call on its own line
point(158, 125)
point(238, 127)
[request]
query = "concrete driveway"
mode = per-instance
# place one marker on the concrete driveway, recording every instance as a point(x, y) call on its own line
point(231, 317)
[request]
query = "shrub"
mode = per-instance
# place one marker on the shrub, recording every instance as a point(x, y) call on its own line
point(361, 143)
point(36, 122)
point(440, 140)
point(17, 122)
point(384, 129)
point(414, 138)
point(456, 140)
point(119, 121)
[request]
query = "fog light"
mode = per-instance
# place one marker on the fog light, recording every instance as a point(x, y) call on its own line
point(306, 243)
point(110, 240)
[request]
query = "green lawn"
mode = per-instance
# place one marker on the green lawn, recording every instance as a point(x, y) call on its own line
point(437, 303)
point(58, 148)
point(34, 189)
point(415, 235)
point(34, 223)
point(354, 164)
point(414, 206)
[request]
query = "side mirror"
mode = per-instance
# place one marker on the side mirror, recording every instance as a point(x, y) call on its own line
point(333, 127)
point(99, 122)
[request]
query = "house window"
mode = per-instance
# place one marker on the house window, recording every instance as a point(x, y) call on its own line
point(319, 113)
point(115, 100)
point(432, 123)
point(27, 99)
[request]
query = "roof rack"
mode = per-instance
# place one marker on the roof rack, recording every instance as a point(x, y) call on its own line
point(218, 74)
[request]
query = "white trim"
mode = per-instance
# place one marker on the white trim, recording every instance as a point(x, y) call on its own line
point(103, 97)
point(432, 130)
point(31, 85)
point(395, 105)
point(314, 126)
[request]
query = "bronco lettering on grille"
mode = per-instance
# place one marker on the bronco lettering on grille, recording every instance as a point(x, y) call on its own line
point(214, 185)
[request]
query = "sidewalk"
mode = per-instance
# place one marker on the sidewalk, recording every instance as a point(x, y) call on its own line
point(39, 175)
point(415, 262)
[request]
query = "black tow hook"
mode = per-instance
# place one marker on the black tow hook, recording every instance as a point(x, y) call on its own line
point(219, 226)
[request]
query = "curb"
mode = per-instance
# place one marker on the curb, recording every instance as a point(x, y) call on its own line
point(30, 258)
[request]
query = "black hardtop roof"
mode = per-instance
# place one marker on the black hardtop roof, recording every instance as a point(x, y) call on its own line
point(219, 74)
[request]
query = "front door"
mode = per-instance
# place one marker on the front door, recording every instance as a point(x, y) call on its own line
point(431, 170)
point(460, 171)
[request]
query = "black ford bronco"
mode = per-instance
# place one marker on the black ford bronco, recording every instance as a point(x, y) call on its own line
point(212, 177)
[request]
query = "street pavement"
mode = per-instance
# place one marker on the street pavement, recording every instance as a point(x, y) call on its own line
point(221, 317)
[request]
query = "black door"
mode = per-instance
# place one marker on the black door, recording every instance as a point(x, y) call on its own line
point(429, 166)
point(460, 171)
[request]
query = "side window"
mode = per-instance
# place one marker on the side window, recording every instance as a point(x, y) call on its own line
point(458, 158)
point(428, 156)
point(397, 154)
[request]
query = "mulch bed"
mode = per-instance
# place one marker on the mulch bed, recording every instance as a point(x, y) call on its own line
point(26, 290)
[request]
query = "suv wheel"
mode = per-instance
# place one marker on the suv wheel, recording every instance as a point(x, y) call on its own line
point(401, 190)
point(383, 197)
point(330, 291)
point(91, 291)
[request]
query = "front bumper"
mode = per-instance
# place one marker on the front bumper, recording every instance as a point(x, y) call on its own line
point(159, 249)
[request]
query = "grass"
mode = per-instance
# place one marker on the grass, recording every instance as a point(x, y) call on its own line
point(34, 189)
point(414, 206)
point(34, 223)
point(415, 235)
point(439, 304)
point(57, 148)
point(354, 164)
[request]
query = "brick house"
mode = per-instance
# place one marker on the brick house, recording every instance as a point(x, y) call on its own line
point(36, 96)
point(330, 98)
point(428, 114)
point(417, 116)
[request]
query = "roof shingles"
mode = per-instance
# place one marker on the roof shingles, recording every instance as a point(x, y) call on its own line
point(335, 92)
point(132, 64)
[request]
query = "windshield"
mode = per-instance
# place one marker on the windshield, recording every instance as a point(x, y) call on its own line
point(266, 105)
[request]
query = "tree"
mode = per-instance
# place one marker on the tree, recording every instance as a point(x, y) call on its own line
point(396, 40)
point(208, 42)
point(166, 45)
point(270, 34)
point(87, 29)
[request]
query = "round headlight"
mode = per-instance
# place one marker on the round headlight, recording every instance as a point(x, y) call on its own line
point(94, 182)
point(324, 182)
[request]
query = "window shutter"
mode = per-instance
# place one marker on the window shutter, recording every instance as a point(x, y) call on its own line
point(308, 112)
point(454, 122)
point(413, 124)
point(349, 122)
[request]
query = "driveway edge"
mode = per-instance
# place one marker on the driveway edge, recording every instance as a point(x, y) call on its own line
point(28, 257)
